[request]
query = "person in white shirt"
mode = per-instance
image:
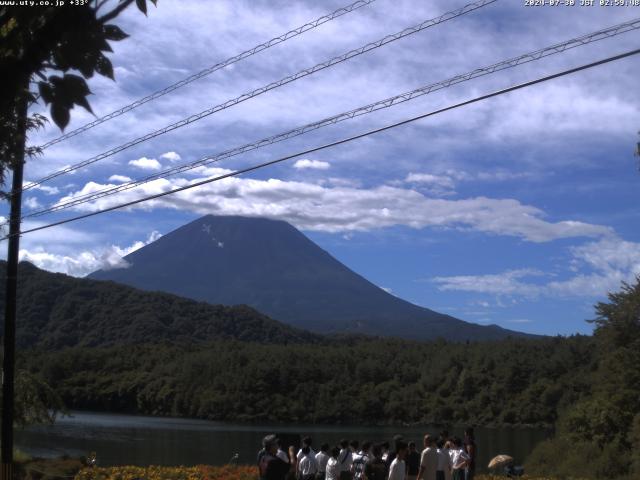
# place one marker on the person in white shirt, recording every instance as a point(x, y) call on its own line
point(322, 457)
point(428, 459)
point(398, 469)
point(360, 461)
point(306, 442)
point(281, 454)
point(444, 462)
point(307, 465)
point(345, 459)
point(332, 471)
point(460, 460)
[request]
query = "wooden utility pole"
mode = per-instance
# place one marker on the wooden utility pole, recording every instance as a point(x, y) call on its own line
point(8, 363)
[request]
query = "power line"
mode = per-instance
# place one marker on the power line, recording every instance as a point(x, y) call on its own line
point(259, 91)
point(338, 142)
point(209, 70)
point(379, 105)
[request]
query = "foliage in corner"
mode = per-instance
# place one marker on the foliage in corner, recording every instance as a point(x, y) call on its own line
point(46, 53)
point(599, 435)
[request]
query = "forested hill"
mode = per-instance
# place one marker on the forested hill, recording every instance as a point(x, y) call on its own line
point(57, 311)
point(357, 381)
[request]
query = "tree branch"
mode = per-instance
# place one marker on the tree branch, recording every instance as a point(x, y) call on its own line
point(115, 12)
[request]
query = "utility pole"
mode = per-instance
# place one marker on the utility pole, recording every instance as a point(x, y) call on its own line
point(8, 363)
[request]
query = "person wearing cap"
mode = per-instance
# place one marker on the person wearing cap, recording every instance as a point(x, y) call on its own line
point(428, 459)
point(270, 466)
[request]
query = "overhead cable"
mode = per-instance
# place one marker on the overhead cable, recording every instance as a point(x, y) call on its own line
point(336, 143)
point(209, 70)
point(372, 107)
point(259, 91)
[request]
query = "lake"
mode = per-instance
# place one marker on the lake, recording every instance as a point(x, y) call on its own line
point(143, 440)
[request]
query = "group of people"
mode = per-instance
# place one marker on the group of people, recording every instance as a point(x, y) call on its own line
point(442, 458)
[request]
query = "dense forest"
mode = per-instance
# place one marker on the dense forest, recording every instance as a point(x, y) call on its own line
point(521, 382)
point(599, 436)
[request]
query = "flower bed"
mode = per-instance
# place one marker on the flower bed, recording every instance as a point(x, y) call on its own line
point(200, 472)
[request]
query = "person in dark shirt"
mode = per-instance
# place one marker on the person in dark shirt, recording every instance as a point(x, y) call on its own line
point(472, 450)
point(397, 439)
point(376, 469)
point(271, 467)
point(413, 462)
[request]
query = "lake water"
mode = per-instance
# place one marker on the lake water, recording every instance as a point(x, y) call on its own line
point(142, 440)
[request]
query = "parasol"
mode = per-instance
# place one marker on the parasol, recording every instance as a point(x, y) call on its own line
point(500, 461)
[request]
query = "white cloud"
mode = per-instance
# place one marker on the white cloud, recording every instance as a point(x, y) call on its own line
point(428, 178)
point(43, 188)
point(146, 163)
point(610, 261)
point(119, 178)
point(506, 283)
point(32, 203)
point(171, 156)
point(84, 262)
point(343, 209)
point(311, 164)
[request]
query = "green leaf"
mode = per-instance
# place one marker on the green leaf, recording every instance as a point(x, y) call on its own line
point(46, 92)
point(104, 67)
point(113, 32)
point(60, 115)
point(142, 5)
point(85, 104)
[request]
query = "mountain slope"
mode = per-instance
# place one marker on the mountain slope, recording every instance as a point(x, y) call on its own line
point(274, 268)
point(57, 311)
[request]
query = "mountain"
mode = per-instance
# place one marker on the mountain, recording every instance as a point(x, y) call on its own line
point(57, 311)
point(275, 269)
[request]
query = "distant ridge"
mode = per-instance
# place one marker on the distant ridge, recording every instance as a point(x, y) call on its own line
point(274, 268)
point(56, 311)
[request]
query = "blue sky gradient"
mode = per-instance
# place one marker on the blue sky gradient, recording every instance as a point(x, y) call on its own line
point(520, 210)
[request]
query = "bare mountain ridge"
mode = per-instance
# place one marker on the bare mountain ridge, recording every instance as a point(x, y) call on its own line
point(272, 267)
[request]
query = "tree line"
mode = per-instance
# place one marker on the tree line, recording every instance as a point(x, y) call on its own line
point(364, 381)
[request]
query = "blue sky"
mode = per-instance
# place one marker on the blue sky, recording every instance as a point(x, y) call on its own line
point(520, 211)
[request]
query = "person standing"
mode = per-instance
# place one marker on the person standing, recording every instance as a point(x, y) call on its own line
point(332, 471)
point(376, 469)
point(307, 465)
point(397, 439)
point(322, 457)
point(444, 462)
point(385, 453)
point(460, 460)
point(472, 450)
point(345, 459)
point(360, 461)
point(413, 462)
point(281, 453)
point(306, 442)
point(270, 466)
point(428, 459)
point(398, 469)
